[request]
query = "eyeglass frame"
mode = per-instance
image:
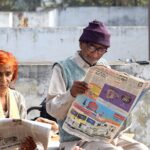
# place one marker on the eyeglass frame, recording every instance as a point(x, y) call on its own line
point(92, 48)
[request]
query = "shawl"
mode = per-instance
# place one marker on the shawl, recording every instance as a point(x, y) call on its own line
point(13, 111)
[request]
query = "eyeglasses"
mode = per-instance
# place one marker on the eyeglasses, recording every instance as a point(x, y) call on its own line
point(93, 48)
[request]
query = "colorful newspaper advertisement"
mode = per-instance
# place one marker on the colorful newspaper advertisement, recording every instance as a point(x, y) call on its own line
point(101, 112)
point(14, 131)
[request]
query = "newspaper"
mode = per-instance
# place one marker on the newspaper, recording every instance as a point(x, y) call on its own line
point(101, 111)
point(13, 131)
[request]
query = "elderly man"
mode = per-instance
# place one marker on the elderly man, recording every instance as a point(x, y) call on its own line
point(67, 82)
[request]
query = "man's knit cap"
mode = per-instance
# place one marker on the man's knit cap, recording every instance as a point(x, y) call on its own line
point(96, 32)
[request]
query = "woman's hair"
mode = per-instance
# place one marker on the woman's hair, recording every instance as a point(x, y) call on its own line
point(9, 58)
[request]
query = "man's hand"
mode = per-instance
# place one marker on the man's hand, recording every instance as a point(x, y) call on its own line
point(78, 87)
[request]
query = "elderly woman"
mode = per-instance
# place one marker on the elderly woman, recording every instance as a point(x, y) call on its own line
point(12, 104)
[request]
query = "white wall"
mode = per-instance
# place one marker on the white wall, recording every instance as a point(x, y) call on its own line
point(80, 16)
point(5, 19)
point(35, 19)
point(114, 16)
point(129, 43)
point(52, 44)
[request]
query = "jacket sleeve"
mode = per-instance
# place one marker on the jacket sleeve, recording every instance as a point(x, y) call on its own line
point(59, 99)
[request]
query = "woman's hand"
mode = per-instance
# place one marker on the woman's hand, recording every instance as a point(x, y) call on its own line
point(28, 144)
point(77, 148)
point(54, 125)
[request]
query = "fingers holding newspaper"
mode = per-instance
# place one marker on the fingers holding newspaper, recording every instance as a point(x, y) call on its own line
point(28, 144)
point(54, 125)
point(77, 148)
point(78, 87)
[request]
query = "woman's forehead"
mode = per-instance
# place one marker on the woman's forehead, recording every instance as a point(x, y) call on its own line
point(6, 67)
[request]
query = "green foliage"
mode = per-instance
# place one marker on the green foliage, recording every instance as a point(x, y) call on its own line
point(31, 5)
point(6, 4)
point(19, 5)
point(106, 2)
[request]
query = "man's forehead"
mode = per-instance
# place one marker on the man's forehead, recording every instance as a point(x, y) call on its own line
point(97, 45)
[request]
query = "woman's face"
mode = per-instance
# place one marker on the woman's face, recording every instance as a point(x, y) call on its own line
point(6, 74)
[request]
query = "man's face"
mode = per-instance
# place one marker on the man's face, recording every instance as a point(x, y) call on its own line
point(92, 52)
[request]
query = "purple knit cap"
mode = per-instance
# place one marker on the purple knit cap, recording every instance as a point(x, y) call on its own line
point(96, 32)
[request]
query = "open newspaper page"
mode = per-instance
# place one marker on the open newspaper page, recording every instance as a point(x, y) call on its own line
point(100, 113)
point(13, 131)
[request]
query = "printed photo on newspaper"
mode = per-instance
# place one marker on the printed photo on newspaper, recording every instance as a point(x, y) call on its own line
point(13, 131)
point(101, 112)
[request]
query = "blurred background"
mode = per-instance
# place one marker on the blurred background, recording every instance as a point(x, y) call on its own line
point(61, 21)
point(40, 32)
